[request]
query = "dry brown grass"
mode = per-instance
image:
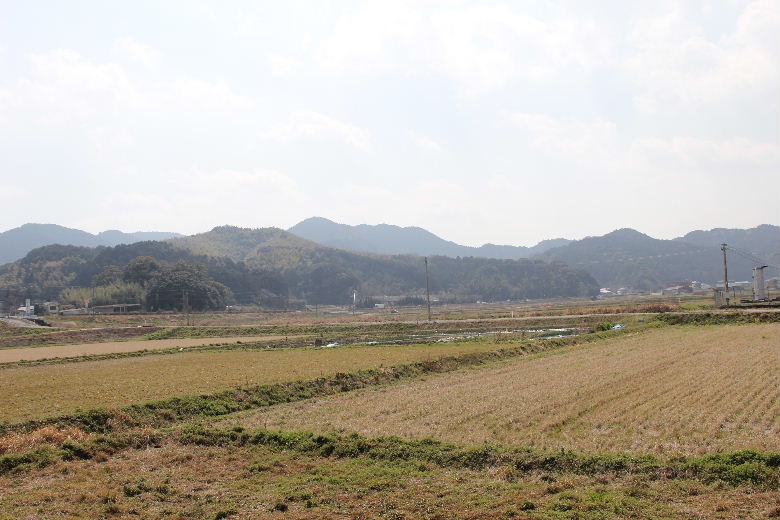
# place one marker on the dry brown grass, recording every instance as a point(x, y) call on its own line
point(243, 483)
point(39, 391)
point(673, 390)
point(22, 441)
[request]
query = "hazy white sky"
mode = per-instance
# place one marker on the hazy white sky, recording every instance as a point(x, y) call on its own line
point(503, 122)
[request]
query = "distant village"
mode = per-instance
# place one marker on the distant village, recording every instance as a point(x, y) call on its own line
point(756, 290)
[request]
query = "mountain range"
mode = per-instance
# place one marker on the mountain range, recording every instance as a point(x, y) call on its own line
point(17, 242)
point(628, 258)
point(270, 266)
point(393, 240)
point(622, 258)
point(314, 270)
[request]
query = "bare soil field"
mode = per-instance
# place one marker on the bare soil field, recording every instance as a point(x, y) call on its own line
point(670, 390)
point(114, 347)
point(40, 391)
point(241, 483)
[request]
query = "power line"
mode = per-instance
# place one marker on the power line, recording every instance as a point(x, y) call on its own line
point(751, 256)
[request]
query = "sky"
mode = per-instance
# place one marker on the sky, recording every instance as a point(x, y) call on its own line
point(501, 122)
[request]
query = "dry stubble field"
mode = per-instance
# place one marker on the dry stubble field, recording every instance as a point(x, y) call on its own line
point(669, 390)
point(40, 391)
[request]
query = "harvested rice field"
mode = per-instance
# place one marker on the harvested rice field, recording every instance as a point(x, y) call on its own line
point(39, 391)
point(14, 355)
point(670, 390)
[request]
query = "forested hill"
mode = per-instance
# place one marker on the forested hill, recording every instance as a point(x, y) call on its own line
point(763, 240)
point(46, 271)
point(17, 242)
point(268, 266)
point(628, 258)
point(323, 274)
point(389, 239)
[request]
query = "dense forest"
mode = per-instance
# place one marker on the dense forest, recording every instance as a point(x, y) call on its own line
point(321, 274)
point(55, 271)
point(628, 258)
point(271, 268)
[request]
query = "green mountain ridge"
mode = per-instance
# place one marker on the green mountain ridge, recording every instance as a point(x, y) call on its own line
point(46, 271)
point(623, 258)
point(628, 258)
point(318, 273)
point(269, 266)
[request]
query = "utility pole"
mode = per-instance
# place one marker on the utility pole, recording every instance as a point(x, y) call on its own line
point(723, 248)
point(185, 305)
point(427, 289)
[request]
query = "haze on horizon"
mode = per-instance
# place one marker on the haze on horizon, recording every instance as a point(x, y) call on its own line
point(502, 122)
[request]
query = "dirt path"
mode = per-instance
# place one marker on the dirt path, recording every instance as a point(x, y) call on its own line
point(113, 347)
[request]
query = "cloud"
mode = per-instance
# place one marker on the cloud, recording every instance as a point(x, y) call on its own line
point(310, 124)
point(11, 193)
point(596, 147)
point(195, 200)
point(63, 77)
point(281, 65)
point(425, 142)
point(701, 159)
point(214, 95)
point(488, 47)
point(596, 140)
point(481, 48)
point(136, 51)
point(674, 65)
point(6, 99)
point(64, 86)
point(377, 36)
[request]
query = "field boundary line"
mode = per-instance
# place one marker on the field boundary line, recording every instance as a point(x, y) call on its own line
point(183, 408)
point(753, 468)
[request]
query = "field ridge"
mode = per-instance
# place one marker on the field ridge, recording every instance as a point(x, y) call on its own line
point(181, 408)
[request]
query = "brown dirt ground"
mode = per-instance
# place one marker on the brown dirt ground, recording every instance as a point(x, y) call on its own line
point(76, 336)
point(114, 347)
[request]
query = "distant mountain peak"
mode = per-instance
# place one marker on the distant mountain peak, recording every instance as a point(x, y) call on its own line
point(17, 242)
point(317, 219)
point(627, 233)
point(392, 239)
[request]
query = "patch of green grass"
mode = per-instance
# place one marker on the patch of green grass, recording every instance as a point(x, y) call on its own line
point(749, 467)
point(257, 481)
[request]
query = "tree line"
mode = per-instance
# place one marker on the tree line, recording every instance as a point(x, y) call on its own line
point(157, 274)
